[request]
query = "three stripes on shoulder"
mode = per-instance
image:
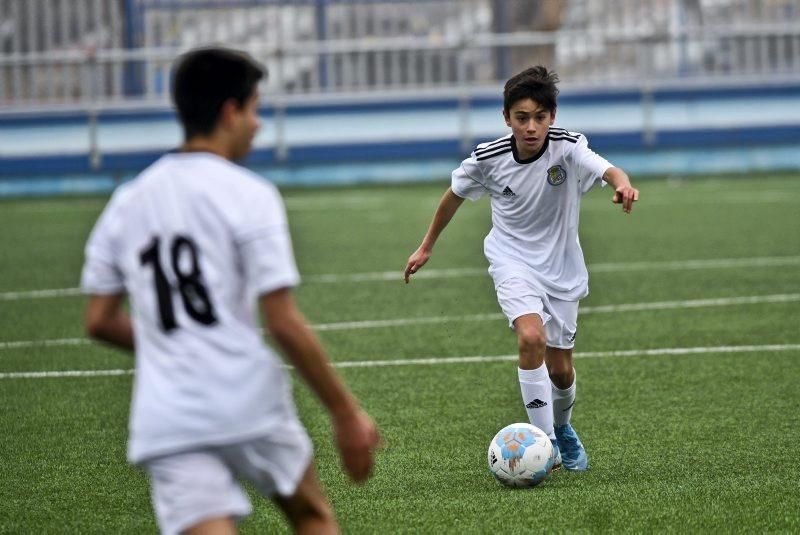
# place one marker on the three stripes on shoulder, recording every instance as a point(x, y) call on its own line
point(503, 145)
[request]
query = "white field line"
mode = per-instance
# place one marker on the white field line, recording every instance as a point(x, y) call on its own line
point(291, 203)
point(667, 351)
point(355, 202)
point(601, 309)
point(396, 275)
point(45, 343)
point(715, 199)
point(64, 373)
point(377, 201)
point(39, 294)
point(611, 267)
point(715, 263)
point(584, 355)
point(428, 320)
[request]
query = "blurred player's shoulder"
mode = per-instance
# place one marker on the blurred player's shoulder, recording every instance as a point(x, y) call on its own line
point(204, 180)
point(204, 172)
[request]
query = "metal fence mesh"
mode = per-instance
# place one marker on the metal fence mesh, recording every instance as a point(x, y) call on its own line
point(74, 52)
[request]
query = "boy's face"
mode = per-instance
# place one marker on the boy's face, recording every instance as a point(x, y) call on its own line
point(245, 123)
point(530, 123)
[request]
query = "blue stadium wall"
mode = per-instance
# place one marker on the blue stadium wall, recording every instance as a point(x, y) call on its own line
point(667, 132)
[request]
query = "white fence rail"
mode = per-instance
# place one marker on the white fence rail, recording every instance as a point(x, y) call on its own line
point(81, 53)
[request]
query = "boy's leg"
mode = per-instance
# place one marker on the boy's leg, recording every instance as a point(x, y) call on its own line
point(214, 526)
point(561, 332)
point(308, 509)
point(195, 492)
point(533, 378)
point(562, 376)
point(522, 304)
point(280, 466)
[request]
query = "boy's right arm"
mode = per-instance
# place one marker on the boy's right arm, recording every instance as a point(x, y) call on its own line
point(444, 213)
point(355, 433)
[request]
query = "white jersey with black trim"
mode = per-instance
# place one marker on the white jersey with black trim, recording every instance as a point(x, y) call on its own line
point(535, 208)
point(194, 240)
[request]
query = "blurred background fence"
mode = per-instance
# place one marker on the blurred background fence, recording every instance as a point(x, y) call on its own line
point(82, 61)
point(70, 52)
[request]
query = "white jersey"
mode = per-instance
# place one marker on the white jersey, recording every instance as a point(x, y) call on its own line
point(194, 239)
point(535, 208)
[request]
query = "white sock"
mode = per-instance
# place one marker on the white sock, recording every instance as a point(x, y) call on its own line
point(537, 396)
point(563, 400)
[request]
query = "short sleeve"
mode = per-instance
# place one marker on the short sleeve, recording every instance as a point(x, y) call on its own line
point(590, 166)
point(468, 181)
point(101, 273)
point(265, 245)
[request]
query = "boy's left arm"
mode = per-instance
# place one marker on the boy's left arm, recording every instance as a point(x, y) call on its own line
point(107, 321)
point(624, 193)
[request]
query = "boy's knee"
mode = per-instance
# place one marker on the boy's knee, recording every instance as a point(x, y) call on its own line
point(316, 516)
point(531, 341)
point(323, 513)
point(308, 510)
point(561, 372)
point(561, 376)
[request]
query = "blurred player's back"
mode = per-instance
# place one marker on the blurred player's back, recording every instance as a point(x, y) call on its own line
point(195, 241)
point(185, 264)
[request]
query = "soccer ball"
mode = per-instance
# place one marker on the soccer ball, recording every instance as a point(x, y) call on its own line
point(520, 455)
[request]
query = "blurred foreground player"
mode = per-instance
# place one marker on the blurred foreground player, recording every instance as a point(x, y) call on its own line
point(196, 241)
point(535, 178)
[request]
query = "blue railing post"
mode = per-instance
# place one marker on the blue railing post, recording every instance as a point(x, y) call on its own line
point(321, 7)
point(134, 34)
point(500, 25)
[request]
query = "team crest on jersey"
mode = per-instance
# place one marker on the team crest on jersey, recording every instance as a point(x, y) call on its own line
point(556, 175)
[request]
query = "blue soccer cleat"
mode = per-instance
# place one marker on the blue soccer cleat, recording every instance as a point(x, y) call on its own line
point(556, 455)
point(572, 454)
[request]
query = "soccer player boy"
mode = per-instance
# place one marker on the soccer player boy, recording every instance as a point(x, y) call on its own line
point(196, 242)
point(535, 178)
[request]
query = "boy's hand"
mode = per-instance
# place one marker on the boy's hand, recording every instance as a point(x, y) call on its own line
point(626, 195)
point(356, 438)
point(416, 261)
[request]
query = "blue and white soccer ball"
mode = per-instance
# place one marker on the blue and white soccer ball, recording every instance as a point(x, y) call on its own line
point(521, 455)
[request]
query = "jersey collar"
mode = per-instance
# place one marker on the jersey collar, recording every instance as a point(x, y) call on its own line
point(532, 158)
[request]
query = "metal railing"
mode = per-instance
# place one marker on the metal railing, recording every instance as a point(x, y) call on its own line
point(46, 48)
point(110, 53)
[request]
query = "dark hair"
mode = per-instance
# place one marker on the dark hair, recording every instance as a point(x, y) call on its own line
point(535, 83)
point(205, 78)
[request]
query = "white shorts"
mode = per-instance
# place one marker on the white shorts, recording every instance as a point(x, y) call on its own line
point(202, 484)
point(518, 297)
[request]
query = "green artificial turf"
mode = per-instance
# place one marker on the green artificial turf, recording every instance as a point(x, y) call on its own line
point(700, 442)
